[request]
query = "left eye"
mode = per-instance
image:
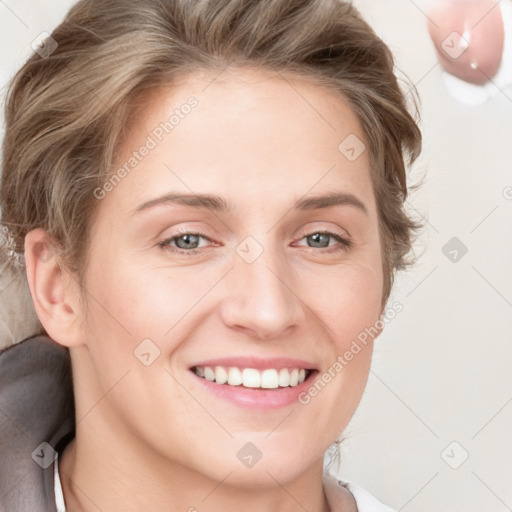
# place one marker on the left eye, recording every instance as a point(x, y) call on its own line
point(320, 238)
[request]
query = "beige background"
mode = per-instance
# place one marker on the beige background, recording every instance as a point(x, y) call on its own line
point(442, 369)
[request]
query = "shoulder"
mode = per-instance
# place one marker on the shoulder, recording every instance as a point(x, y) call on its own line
point(37, 403)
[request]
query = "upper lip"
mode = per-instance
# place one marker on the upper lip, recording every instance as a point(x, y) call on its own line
point(258, 363)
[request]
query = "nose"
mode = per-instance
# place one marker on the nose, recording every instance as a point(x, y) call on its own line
point(260, 299)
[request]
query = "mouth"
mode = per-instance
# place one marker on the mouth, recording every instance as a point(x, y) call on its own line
point(255, 383)
point(253, 378)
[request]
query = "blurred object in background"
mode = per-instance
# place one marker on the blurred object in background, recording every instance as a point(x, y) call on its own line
point(18, 319)
point(473, 41)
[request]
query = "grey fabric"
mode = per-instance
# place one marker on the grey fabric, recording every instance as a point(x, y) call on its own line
point(18, 319)
point(36, 406)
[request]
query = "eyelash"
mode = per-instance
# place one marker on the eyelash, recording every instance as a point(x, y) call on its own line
point(345, 244)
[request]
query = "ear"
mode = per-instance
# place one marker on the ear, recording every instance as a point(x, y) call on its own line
point(55, 292)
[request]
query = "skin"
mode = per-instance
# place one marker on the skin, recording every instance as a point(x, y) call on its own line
point(480, 23)
point(151, 437)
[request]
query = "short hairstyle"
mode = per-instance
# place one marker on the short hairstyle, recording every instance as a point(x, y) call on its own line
point(67, 112)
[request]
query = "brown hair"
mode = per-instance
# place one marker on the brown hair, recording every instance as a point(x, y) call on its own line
point(67, 112)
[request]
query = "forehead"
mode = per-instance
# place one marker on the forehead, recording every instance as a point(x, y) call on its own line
point(251, 131)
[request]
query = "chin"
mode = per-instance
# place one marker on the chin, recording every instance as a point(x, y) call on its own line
point(266, 474)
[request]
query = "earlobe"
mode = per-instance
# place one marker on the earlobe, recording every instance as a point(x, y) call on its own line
point(52, 289)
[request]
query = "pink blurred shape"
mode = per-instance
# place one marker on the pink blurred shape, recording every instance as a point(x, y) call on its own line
point(468, 36)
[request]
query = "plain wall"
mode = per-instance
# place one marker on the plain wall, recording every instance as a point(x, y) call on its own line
point(442, 368)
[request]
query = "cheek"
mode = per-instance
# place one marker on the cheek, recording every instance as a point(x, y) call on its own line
point(354, 325)
point(350, 311)
point(347, 298)
point(134, 301)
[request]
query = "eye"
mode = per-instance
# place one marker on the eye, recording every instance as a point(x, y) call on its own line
point(320, 239)
point(186, 242)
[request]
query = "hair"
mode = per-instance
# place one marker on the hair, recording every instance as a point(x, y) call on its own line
point(67, 111)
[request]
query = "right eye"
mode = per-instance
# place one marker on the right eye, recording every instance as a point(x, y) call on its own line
point(186, 242)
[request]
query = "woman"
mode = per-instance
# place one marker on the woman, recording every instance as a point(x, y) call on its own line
point(209, 198)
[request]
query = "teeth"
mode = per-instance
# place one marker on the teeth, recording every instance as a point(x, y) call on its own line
point(234, 377)
point(269, 379)
point(221, 375)
point(253, 378)
point(284, 377)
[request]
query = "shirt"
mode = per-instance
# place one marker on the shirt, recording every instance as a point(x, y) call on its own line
point(59, 497)
point(365, 501)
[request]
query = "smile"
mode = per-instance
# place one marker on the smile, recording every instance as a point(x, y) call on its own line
point(269, 378)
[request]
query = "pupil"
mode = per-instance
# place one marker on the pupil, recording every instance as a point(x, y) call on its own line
point(318, 236)
point(188, 239)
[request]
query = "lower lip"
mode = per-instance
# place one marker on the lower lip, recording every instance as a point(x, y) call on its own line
point(257, 398)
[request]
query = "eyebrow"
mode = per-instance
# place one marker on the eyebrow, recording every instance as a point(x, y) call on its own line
point(219, 204)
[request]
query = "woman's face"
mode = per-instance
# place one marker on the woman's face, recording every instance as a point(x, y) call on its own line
point(258, 295)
